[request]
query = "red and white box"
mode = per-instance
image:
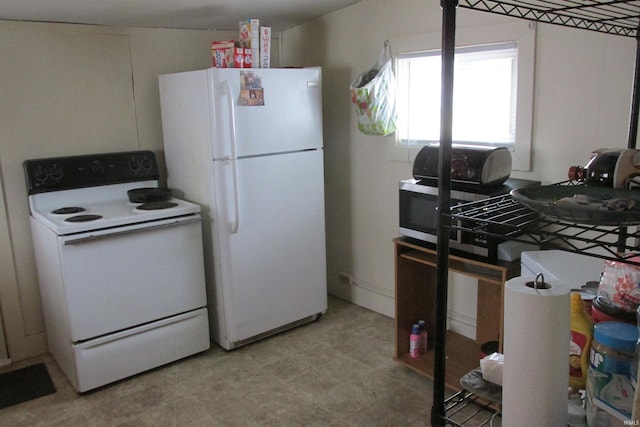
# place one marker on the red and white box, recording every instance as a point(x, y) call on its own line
point(265, 47)
point(223, 54)
point(242, 57)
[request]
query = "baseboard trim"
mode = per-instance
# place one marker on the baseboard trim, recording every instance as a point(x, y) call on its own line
point(381, 301)
point(462, 324)
point(365, 297)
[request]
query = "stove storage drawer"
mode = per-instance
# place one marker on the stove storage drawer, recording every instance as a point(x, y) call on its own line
point(113, 357)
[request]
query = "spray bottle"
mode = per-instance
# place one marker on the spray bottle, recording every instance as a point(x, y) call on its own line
point(415, 342)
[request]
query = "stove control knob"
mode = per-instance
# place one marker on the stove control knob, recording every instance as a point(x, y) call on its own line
point(97, 167)
point(146, 164)
point(134, 165)
point(41, 174)
point(56, 173)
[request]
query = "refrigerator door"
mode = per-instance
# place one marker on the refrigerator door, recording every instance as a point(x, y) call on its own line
point(289, 120)
point(273, 268)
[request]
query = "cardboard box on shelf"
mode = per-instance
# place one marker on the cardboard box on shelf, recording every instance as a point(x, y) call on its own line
point(222, 53)
point(249, 37)
point(265, 47)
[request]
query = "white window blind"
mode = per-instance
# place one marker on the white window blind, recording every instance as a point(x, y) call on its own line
point(493, 91)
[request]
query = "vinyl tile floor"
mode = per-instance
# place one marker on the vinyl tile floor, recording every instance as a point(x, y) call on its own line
point(336, 371)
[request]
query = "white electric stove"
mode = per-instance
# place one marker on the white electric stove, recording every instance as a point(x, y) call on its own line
point(122, 284)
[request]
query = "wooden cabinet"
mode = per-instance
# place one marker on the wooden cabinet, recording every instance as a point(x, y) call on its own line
point(415, 267)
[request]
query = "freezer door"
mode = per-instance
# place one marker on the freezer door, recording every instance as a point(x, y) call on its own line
point(273, 269)
point(289, 120)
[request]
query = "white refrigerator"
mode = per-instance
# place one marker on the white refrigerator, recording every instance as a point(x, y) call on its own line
point(252, 157)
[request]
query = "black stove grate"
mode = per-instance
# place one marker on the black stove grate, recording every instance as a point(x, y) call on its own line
point(83, 218)
point(152, 206)
point(68, 210)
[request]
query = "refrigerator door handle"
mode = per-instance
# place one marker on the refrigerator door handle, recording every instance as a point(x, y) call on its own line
point(226, 89)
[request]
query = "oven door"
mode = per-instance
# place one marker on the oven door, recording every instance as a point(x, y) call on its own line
point(127, 276)
point(418, 214)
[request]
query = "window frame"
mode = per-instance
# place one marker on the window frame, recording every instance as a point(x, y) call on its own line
point(520, 33)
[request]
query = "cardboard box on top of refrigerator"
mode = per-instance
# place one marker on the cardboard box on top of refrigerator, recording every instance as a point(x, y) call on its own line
point(249, 35)
point(242, 57)
point(223, 53)
point(265, 47)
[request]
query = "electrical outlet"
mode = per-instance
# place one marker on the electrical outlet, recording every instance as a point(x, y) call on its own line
point(345, 278)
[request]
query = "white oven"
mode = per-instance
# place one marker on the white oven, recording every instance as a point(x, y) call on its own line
point(122, 286)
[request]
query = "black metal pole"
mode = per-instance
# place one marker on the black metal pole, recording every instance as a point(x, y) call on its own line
point(633, 125)
point(635, 98)
point(444, 221)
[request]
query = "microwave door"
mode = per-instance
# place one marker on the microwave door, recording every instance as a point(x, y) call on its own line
point(418, 216)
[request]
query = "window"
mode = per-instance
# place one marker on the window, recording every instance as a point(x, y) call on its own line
point(484, 96)
point(493, 91)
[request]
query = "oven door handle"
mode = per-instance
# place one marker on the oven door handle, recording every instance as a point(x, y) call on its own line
point(226, 88)
point(116, 233)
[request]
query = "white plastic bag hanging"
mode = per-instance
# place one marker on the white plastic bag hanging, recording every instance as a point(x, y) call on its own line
point(373, 94)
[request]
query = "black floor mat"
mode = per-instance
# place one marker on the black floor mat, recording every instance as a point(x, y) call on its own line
point(25, 384)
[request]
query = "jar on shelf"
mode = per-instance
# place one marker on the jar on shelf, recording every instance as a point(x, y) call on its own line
point(608, 381)
point(633, 370)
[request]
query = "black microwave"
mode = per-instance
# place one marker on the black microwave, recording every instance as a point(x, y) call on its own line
point(418, 212)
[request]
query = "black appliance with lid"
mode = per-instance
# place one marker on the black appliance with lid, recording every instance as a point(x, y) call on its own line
point(477, 165)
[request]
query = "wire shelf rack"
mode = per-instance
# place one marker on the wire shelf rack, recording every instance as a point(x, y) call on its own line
point(505, 218)
point(465, 408)
point(619, 17)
